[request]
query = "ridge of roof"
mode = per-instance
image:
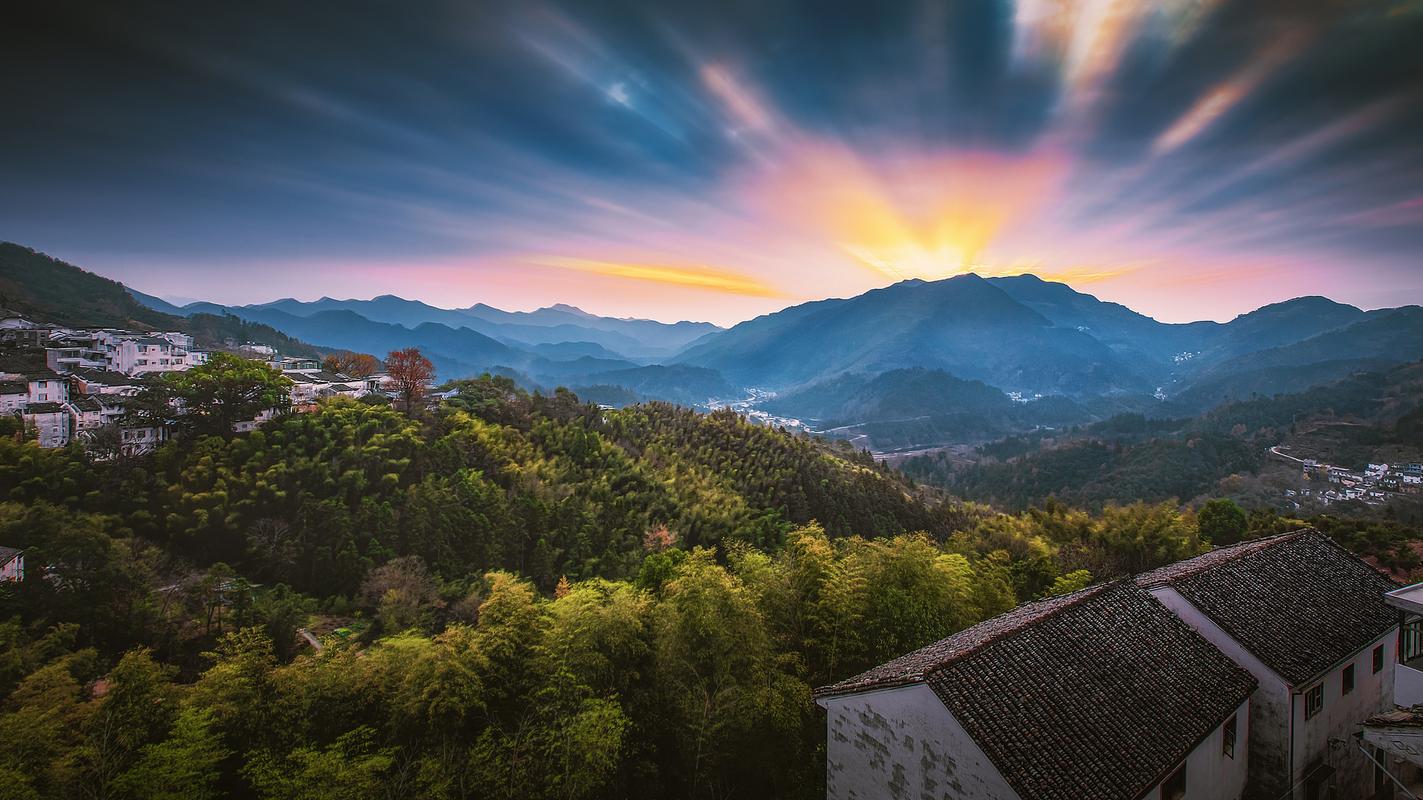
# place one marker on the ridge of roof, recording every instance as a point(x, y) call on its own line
point(1186, 568)
point(914, 666)
point(1335, 601)
point(1121, 690)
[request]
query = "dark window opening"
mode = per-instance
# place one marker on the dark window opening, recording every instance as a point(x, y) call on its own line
point(1175, 786)
point(1378, 659)
point(1348, 679)
point(1227, 738)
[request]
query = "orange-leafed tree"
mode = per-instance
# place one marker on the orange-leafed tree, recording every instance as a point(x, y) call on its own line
point(411, 371)
point(356, 365)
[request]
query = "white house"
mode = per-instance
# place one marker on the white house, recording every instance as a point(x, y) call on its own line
point(94, 411)
point(311, 385)
point(1308, 619)
point(68, 351)
point(46, 387)
point(1103, 694)
point(12, 565)
point(122, 351)
point(93, 381)
point(49, 421)
point(137, 440)
point(14, 396)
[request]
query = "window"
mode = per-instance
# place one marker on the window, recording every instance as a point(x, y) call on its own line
point(1348, 679)
point(1313, 701)
point(1227, 738)
point(1175, 786)
point(1378, 659)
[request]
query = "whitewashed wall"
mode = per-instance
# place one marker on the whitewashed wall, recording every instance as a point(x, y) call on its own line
point(1329, 735)
point(1212, 775)
point(1270, 708)
point(903, 743)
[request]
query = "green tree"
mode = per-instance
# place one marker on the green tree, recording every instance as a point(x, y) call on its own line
point(1222, 522)
point(212, 398)
point(726, 709)
point(1071, 582)
point(351, 767)
point(184, 766)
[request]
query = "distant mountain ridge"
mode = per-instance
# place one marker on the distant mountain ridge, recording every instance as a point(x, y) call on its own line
point(1031, 336)
point(946, 348)
point(557, 324)
point(966, 326)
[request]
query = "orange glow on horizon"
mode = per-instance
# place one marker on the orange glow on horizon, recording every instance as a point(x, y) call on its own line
point(919, 217)
point(694, 276)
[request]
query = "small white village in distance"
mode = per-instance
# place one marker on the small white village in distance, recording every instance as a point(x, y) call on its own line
point(1325, 484)
point(91, 375)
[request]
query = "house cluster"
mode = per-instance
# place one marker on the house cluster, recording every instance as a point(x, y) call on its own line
point(1267, 669)
point(1372, 485)
point(67, 383)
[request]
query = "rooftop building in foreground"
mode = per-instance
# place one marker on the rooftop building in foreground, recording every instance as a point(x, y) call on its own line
point(1245, 672)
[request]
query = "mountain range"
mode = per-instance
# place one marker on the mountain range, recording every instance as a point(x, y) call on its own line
point(563, 327)
point(934, 349)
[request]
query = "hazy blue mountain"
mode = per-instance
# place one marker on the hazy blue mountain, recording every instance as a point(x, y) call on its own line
point(1112, 324)
point(157, 303)
point(888, 353)
point(677, 383)
point(1276, 325)
point(676, 334)
point(456, 352)
point(897, 394)
point(964, 325)
point(1243, 382)
point(1394, 337)
point(636, 338)
point(569, 350)
point(550, 372)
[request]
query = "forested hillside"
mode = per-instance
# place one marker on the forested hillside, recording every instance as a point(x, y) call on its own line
point(515, 596)
point(1133, 457)
point(51, 291)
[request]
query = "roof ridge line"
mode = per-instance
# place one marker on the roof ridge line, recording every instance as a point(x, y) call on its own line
point(1222, 555)
point(1064, 603)
point(1058, 603)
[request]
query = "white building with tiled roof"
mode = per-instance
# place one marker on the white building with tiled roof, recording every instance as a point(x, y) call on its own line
point(1245, 672)
point(1310, 622)
point(1102, 694)
point(49, 422)
point(12, 564)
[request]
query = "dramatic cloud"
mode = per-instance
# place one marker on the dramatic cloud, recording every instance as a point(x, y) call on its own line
point(692, 160)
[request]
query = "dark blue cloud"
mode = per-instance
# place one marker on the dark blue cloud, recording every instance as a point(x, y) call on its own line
point(297, 129)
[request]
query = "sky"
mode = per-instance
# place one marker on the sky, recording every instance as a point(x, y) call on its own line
point(1193, 159)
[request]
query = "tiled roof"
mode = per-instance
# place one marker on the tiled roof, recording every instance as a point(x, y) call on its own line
point(104, 377)
point(86, 403)
point(1094, 695)
point(7, 554)
point(913, 667)
point(14, 387)
point(43, 408)
point(1299, 602)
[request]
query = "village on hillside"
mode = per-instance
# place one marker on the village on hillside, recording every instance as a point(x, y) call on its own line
point(1326, 484)
point(68, 384)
